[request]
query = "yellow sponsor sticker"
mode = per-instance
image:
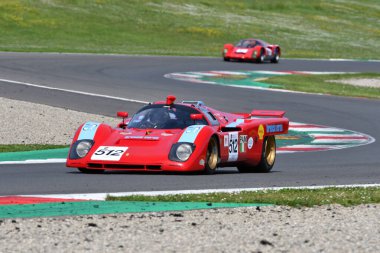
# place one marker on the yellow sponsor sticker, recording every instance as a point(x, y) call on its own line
point(261, 132)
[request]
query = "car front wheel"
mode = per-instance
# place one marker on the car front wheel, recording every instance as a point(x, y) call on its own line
point(262, 56)
point(211, 156)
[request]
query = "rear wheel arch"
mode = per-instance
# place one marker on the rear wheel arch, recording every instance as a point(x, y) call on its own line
point(276, 55)
point(267, 159)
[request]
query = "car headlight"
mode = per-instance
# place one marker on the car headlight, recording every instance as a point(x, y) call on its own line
point(181, 152)
point(82, 148)
point(225, 51)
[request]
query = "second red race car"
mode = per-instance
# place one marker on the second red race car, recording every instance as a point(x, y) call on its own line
point(252, 50)
point(181, 137)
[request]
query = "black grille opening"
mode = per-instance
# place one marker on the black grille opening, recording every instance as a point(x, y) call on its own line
point(124, 166)
point(95, 165)
point(153, 167)
point(115, 166)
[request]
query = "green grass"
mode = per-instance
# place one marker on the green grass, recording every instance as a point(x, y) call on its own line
point(287, 197)
point(314, 28)
point(319, 84)
point(29, 147)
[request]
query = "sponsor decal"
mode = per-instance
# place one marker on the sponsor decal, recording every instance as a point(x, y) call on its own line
point(108, 153)
point(233, 146)
point(152, 138)
point(125, 133)
point(226, 143)
point(202, 162)
point(241, 50)
point(166, 134)
point(243, 141)
point(148, 138)
point(250, 143)
point(261, 132)
point(274, 128)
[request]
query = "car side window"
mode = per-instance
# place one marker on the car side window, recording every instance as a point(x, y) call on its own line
point(211, 118)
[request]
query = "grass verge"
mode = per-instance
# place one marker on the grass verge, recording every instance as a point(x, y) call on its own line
point(28, 147)
point(288, 197)
point(320, 84)
point(313, 29)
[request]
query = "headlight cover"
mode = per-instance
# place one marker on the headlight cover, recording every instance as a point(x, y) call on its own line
point(181, 151)
point(225, 51)
point(81, 148)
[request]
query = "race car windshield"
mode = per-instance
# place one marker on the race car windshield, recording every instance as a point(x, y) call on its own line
point(159, 116)
point(246, 43)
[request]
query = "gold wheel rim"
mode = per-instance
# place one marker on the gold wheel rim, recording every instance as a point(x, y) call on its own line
point(212, 154)
point(270, 150)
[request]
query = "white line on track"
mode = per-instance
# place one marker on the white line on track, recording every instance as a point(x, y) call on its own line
point(175, 56)
point(102, 196)
point(73, 91)
point(32, 161)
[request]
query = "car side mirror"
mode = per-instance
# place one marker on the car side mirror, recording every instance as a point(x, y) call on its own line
point(195, 116)
point(123, 115)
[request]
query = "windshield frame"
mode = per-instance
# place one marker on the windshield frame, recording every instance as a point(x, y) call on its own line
point(162, 116)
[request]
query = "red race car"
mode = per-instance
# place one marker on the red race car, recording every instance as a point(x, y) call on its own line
point(182, 137)
point(252, 50)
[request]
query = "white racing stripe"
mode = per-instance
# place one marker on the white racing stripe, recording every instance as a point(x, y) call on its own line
point(73, 91)
point(102, 196)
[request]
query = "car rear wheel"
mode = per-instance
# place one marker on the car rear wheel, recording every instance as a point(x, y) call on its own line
point(211, 157)
point(89, 171)
point(268, 157)
point(276, 56)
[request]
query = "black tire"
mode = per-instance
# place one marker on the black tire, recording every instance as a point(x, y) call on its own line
point(268, 157)
point(276, 56)
point(212, 157)
point(89, 171)
point(226, 59)
point(262, 56)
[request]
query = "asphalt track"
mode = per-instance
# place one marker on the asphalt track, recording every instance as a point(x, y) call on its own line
point(141, 78)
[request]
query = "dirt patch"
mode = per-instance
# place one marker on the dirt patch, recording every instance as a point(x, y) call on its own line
point(363, 82)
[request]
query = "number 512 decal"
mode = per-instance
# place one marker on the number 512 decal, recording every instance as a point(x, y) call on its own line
point(108, 153)
point(233, 146)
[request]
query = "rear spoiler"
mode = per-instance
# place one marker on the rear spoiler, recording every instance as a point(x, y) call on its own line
point(267, 113)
